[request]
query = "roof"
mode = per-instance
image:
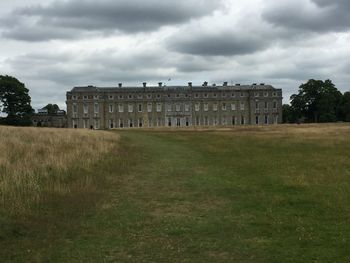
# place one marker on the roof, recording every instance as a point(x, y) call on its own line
point(171, 88)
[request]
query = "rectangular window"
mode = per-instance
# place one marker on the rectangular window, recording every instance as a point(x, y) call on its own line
point(110, 108)
point(242, 106)
point(169, 122)
point(233, 120)
point(121, 108)
point(215, 107)
point(130, 108)
point(206, 107)
point(149, 107)
point(85, 109)
point(131, 123)
point(196, 107)
point(97, 124)
point(266, 119)
point(168, 107)
point(233, 95)
point(96, 108)
point(198, 121)
point(74, 123)
point(121, 123)
point(75, 108)
point(275, 104)
point(140, 107)
point(178, 122)
point(223, 120)
point(159, 107)
point(111, 124)
point(85, 97)
point(187, 122)
point(140, 123)
point(256, 119)
point(257, 105)
point(187, 107)
point(178, 107)
point(242, 94)
point(224, 106)
point(85, 124)
point(242, 120)
point(215, 121)
point(96, 97)
point(74, 97)
point(233, 106)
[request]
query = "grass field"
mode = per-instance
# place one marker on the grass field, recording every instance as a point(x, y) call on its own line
point(250, 194)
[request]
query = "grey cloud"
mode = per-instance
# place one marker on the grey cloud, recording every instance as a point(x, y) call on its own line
point(310, 15)
point(218, 44)
point(127, 16)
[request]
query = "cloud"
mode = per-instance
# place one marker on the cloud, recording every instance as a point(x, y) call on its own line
point(72, 18)
point(309, 15)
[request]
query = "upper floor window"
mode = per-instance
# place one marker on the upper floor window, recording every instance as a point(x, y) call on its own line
point(196, 107)
point(149, 96)
point(224, 106)
point(266, 105)
point(96, 97)
point(215, 107)
point(111, 97)
point(85, 109)
point(275, 104)
point(205, 95)
point(149, 107)
point(168, 107)
point(75, 108)
point(159, 107)
point(206, 107)
point(130, 96)
point(139, 96)
point(177, 95)
point(140, 107)
point(256, 94)
point(130, 108)
point(266, 94)
point(158, 96)
point(120, 96)
point(85, 97)
point(223, 95)
point(257, 105)
point(214, 95)
point(274, 94)
point(96, 108)
point(233, 95)
point(178, 107)
point(187, 107)
point(121, 108)
point(110, 108)
point(233, 106)
point(74, 97)
point(242, 106)
point(196, 95)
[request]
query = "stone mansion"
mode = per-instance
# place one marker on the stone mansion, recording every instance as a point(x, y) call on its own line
point(93, 107)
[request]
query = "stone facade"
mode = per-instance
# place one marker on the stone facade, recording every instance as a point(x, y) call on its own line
point(176, 106)
point(50, 120)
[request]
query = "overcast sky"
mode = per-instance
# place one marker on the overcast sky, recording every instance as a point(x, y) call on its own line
point(52, 46)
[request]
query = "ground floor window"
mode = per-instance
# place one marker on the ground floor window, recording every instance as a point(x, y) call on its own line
point(121, 123)
point(159, 122)
point(178, 122)
point(242, 120)
point(233, 120)
point(131, 124)
point(187, 122)
point(169, 122)
point(206, 120)
point(266, 119)
point(140, 123)
point(150, 122)
point(111, 124)
point(256, 119)
point(197, 121)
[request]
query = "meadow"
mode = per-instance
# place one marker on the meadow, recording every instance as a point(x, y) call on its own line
point(245, 194)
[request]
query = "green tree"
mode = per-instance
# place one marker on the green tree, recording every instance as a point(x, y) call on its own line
point(15, 102)
point(345, 107)
point(287, 113)
point(317, 101)
point(52, 108)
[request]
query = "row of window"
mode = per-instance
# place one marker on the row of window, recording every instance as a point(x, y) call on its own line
point(196, 95)
point(169, 107)
point(176, 122)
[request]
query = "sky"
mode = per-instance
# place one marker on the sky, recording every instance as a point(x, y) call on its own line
point(54, 45)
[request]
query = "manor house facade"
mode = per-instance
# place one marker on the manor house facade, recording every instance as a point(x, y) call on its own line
point(175, 106)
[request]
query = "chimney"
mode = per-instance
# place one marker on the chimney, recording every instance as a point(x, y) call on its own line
point(254, 84)
point(238, 84)
point(214, 85)
point(145, 84)
point(225, 84)
point(262, 84)
point(160, 84)
point(120, 85)
point(190, 84)
point(205, 84)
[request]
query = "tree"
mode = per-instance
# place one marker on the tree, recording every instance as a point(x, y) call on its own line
point(52, 108)
point(345, 107)
point(287, 113)
point(317, 101)
point(15, 101)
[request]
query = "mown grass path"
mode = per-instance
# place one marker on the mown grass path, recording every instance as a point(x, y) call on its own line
point(208, 197)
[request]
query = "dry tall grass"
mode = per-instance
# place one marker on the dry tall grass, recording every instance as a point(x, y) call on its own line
point(37, 161)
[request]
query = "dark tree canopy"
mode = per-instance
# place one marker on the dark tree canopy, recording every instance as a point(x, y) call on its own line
point(15, 101)
point(345, 107)
point(52, 108)
point(317, 101)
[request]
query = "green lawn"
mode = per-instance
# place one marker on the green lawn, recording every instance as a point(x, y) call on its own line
point(241, 195)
